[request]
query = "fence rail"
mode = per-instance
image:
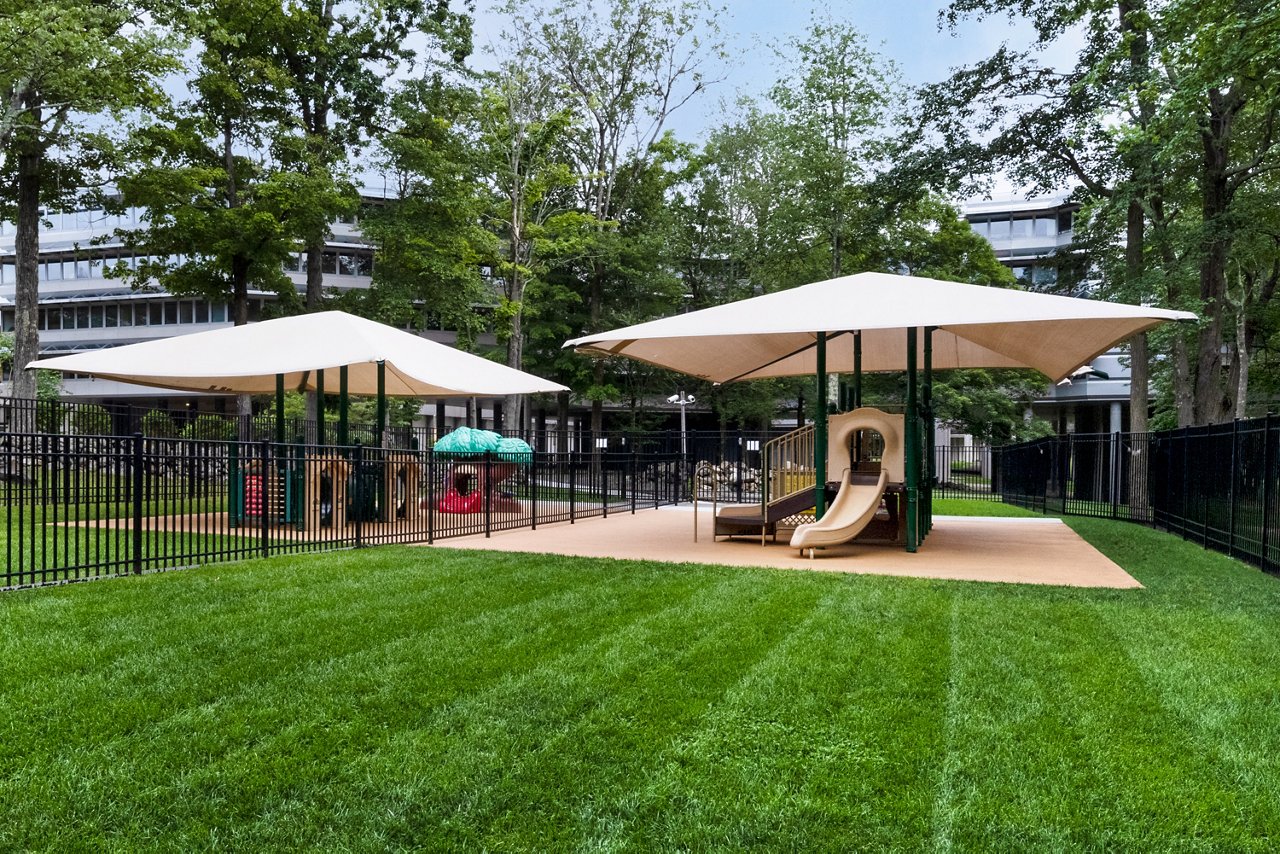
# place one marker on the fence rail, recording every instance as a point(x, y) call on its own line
point(81, 507)
point(1214, 485)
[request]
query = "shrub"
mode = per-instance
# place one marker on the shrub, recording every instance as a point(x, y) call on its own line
point(157, 424)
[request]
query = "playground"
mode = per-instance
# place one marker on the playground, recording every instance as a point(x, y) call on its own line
point(961, 548)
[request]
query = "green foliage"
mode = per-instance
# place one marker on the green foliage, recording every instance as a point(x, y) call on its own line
point(1164, 122)
point(431, 243)
point(90, 419)
point(990, 405)
point(209, 427)
point(48, 385)
point(157, 424)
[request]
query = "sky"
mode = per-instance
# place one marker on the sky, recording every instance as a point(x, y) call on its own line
point(905, 31)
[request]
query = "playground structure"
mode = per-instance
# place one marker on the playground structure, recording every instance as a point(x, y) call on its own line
point(483, 461)
point(874, 472)
point(311, 489)
point(469, 483)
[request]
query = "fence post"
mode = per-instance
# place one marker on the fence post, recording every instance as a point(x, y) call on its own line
point(488, 493)
point(357, 489)
point(264, 493)
point(431, 496)
point(1267, 480)
point(634, 483)
point(655, 484)
point(1186, 440)
point(1231, 490)
point(533, 491)
point(1115, 475)
point(572, 491)
point(137, 503)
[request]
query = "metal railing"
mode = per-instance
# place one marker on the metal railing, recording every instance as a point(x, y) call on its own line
point(1214, 485)
point(788, 464)
point(79, 507)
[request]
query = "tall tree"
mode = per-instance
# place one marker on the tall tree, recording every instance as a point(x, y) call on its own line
point(65, 63)
point(836, 96)
point(334, 59)
point(1162, 97)
point(524, 130)
point(627, 70)
point(431, 238)
point(221, 213)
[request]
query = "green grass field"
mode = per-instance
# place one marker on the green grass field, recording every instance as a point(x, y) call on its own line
point(415, 698)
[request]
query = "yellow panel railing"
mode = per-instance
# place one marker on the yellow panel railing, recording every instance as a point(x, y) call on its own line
point(788, 464)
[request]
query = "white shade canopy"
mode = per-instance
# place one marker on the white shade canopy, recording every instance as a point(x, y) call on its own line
point(975, 327)
point(246, 359)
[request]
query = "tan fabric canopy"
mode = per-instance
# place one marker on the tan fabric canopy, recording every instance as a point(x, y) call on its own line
point(977, 327)
point(246, 359)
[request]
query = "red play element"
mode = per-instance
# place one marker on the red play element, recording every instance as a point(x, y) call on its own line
point(253, 495)
point(467, 489)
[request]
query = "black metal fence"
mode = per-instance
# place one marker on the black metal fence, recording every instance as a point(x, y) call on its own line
point(1213, 485)
point(963, 471)
point(90, 506)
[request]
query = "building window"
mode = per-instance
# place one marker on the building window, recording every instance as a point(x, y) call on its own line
point(1043, 278)
point(1021, 228)
point(1064, 221)
point(1000, 229)
point(1046, 226)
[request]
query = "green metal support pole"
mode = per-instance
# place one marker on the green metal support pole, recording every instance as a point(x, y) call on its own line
point(382, 402)
point(930, 438)
point(820, 433)
point(857, 370)
point(320, 407)
point(279, 409)
point(342, 407)
point(913, 447)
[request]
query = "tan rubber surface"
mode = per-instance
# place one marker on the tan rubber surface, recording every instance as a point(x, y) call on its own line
point(1021, 551)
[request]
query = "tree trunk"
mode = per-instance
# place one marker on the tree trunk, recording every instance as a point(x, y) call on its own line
point(562, 421)
point(1240, 366)
point(1213, 399)
point(515, 404)
point(315, 275)
point(596, 297)
point(27, 289)
point(1183, 399)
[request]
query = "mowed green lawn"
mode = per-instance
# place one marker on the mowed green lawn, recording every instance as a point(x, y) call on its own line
point(409, 697)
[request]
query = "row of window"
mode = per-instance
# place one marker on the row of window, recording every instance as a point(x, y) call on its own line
point(1005, 226)
point(334, 263)
point(102, 222)
point(115, 315)
point(96, 220)
point(1036, 277)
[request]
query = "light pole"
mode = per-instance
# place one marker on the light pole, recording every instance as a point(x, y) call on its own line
point(682, 400)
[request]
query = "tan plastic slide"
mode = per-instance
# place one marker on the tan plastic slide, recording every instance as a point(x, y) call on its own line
point(854, 507)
